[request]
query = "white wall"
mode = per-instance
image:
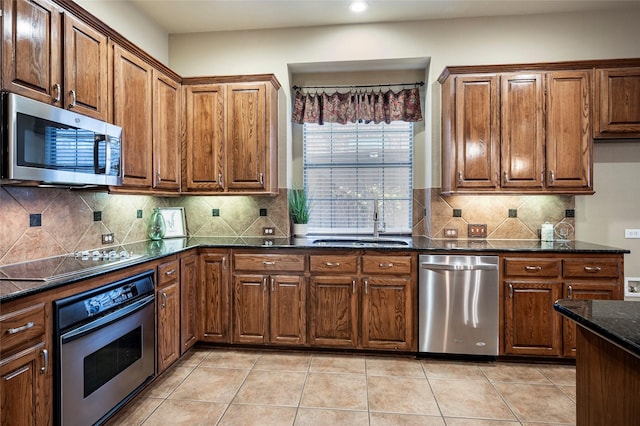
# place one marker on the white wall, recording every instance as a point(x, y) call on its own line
point(130, 22)
point(543, 38)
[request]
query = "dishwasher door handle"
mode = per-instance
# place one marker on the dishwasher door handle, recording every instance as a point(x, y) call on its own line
point(459, 267)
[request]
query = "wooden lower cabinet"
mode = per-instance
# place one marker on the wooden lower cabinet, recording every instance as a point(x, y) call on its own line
point(269, 309)
point(214, 295)
point(333, 311)
point(168, 311)
point(188, 301)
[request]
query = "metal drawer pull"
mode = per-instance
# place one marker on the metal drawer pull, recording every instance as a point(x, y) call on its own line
point(268, 262)
point(552, 178)
point(332, 263)
point(19, 329)
point(164, 300)
point(366, 286)
point(506, 177)
point(533, 268)
point(264, 284)
point(592, 268)
point(72, 93)
point(570, 292)
point(45, 356)
point(170, 272)
point(220, 180)
point(261, 179)
point(353, 286)
point(273, 284)
point(385, 265)
point(459, 178)
point(511, 291)
point(58, 90)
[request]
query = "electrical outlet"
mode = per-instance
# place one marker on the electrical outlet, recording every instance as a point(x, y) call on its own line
point(107, 238)
point(450, 233)
point(267, 230)
point(632, 233)
point(477, 231)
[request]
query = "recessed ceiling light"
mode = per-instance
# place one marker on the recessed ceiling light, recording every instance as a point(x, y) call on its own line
point(358, 6)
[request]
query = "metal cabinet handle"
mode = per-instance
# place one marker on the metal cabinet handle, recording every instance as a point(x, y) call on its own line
point(261, 178)
point(533, 268)
point(570, 292)
point(264, 284)
point(506, 177)
point(158, 177)
point(45, 356)
point(332, 264)
point(58, 90)
point(21, 328)
point(72, 93)
point(221, 180)
point(353, 286)
point(385, 265)
point(460, 178)
point(224, 263)
point(552, 177)
point(366, 286)
point(592, 269)
point(170, 272)
point(511, 291)
point(273, 284)
point(268, 262)
point(164, 300)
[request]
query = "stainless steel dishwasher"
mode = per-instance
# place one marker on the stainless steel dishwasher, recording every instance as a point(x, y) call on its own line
point(458, 304)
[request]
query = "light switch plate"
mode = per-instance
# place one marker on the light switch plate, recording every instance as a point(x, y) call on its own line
point(632, 233)
point(477, 230)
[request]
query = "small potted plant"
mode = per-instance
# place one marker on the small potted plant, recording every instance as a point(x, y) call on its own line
point(299, 211)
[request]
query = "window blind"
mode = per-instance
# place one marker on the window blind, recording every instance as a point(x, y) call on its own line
point(348, 167)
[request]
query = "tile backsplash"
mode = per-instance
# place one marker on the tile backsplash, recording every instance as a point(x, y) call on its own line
point(71, 220)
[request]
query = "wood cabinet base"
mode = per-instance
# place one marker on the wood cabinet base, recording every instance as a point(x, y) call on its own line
point(607, 382)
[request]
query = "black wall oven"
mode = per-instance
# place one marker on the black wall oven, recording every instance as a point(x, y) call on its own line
point(105, 343)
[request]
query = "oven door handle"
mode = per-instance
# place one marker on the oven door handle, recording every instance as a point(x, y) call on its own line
point(106, 320)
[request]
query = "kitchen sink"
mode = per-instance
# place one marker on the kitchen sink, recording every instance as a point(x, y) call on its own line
point(361, 242)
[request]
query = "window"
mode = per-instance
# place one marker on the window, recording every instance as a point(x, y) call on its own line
point(348, 167)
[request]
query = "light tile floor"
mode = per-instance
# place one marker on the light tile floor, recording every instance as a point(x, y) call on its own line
point(235, 387)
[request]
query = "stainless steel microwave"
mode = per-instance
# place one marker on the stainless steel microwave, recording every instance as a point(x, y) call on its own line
point(50, 145)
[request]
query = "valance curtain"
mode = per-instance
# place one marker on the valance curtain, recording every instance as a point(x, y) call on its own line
point(357, 106)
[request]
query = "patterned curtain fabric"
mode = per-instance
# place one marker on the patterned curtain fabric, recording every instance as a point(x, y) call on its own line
point(369, 106)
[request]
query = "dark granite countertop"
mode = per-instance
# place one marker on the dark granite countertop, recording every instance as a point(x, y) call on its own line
point(617, 321)
point(66, 272)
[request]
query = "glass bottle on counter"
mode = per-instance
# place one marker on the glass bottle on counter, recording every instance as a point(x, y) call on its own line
point(156, 226)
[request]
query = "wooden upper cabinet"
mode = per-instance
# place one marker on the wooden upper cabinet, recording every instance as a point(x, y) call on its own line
point(569, 143)
point(132, 104)
point(538, 122)
point(231, 135)
point(32, 49)
point(166, 131)
point(85, 69)
point(476, 133)
point(522, 123)
point(205, 134)
point(617, 103)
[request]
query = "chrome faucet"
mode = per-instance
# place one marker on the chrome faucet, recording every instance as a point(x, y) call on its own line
point(376, 219)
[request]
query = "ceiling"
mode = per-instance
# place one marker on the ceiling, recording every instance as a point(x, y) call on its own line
point(187, 16)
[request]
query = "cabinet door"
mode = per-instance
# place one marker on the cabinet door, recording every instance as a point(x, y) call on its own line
point(532, 327)
point(22, 389)
point(205, 135)
point(522, 123)
point(188, 302)
point(333, 311)
point(214, 297)
point(32, 49)
point(287, 310)
point(251, 309)
point(168, 308)
point(388, 313)
point(132, 87)
point(591, 290)
point(85, 69)
point(246, 142)
point(166, 132)
point(477, 137)
point(617, 103)
point(569, 143)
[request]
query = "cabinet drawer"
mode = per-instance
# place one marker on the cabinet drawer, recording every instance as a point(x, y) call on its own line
point(339, 264)
point(269, 262)
point(21, 327)
point(168, 273)
point(386, 264)
point(591, 268)
point(532, 267)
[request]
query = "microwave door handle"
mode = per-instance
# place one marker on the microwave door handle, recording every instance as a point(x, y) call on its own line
point(107, 156)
